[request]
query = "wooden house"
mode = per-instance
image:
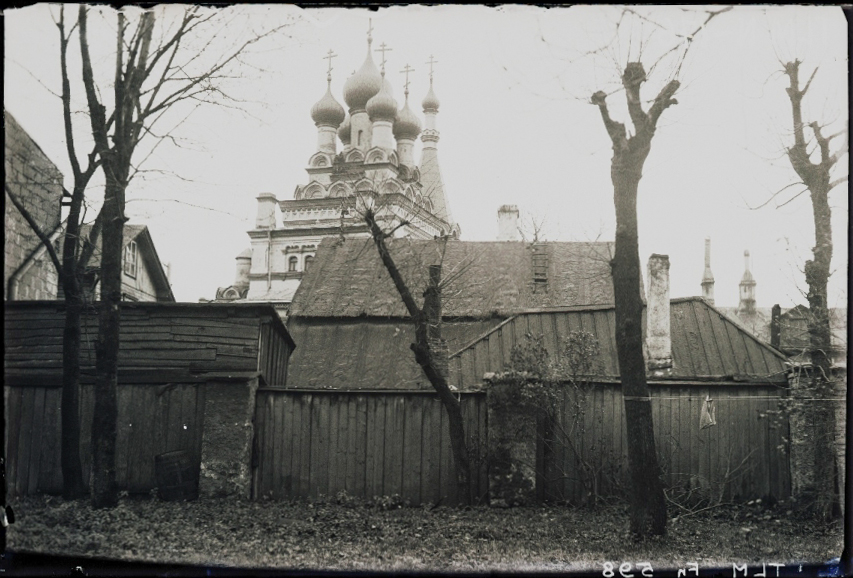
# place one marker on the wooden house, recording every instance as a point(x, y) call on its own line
point(184, 371)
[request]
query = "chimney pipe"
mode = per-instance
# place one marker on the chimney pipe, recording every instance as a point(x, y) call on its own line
point(708, 277)
point(244, 264)
point(508, 223)
point(266, 211)
point(658, 338)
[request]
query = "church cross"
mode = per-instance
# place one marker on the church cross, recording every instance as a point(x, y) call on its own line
point(431, 61)
point(329, 56)
point(369, 31)
point(383, 49)
point(406, 71)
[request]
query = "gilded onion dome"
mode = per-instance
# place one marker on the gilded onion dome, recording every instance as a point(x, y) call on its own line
point(430, 102)
point(362, 85)
point(344, 131)
point(382, 106)
point(407, 125)
point(328, 111)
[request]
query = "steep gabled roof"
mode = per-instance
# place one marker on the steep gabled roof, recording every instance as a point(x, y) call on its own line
point(147, 251)
point(480, 279)
point(706, 345)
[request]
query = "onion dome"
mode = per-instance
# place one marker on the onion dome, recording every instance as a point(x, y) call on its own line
point(344, 132)
point(407, 125)
point(430, 102)
point(382, 106)
point(362, 85)
point(328, 111)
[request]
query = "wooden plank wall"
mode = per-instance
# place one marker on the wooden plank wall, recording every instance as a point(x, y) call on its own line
point(215, 338)
point(274, 355)
point(739, 458)
point(367, 444)
point(152, 419)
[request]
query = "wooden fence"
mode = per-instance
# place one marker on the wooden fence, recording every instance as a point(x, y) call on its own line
point(743, 456)
point(152, 419)
point(367, 444)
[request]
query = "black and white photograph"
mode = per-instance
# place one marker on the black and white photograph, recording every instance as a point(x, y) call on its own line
point(446, 289)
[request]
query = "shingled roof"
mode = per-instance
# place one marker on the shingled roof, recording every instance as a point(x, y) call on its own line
point(480, 279)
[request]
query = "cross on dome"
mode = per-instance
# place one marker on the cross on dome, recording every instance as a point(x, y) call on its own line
point(329, 56)
point(431, 61)
point(369, 32)
point(406, 71)
point(383, 49)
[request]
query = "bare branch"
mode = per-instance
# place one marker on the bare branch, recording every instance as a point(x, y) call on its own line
point(45, 240)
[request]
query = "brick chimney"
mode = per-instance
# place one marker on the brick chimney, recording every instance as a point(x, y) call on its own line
point(432, 308)
point(508, 223)
point(658, 338)
point(266, 211)
point(775, 327)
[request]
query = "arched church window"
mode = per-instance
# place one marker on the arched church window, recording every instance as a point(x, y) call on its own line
point(308, 260)
point(291, 263)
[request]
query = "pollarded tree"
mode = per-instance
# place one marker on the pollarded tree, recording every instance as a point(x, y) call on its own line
point(648, 506)
point(816, 175)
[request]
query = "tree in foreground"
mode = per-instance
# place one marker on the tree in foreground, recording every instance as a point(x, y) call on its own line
point(648, 505)
point(160, 62)
point(816, 176)
point(429, 349)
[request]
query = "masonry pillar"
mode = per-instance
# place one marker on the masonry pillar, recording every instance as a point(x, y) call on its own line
point(513, 434)
point(226, 445)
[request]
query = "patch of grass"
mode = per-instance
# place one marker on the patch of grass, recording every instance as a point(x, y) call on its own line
point(347, 534)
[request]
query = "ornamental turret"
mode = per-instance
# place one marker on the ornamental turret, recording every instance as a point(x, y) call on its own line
point(327, 115)
point(747, 288)
point(382, 110)
point(359, 88)
point(433, 185)
point(407, 127)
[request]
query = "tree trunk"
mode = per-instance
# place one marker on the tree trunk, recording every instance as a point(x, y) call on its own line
point(648, 509)
point(104, 491)
point(827, 504)
point(73, 484)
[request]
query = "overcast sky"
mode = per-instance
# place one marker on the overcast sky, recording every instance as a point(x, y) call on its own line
point(516, 127)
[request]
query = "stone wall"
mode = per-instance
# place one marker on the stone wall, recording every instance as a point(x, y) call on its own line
point(226, 445)
point(37, 183)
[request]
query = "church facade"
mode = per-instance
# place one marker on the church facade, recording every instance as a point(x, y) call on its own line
point(364, 157)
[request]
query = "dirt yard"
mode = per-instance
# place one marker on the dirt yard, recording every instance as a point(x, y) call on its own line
point(344, 534)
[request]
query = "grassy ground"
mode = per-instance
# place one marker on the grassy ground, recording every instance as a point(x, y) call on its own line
point(348, 535)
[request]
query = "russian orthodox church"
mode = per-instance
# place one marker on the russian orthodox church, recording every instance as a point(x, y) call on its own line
point(373, 163)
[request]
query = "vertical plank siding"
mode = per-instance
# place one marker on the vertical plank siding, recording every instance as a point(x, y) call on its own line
point(742, 457)
point(151, 420)
point(367, 444)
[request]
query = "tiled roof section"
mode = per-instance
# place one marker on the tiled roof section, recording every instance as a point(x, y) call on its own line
point(706, 345)
point(363, 354)
point(480, 279)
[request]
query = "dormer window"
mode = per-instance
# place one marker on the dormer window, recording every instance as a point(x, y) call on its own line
point(540, 268)
point(292, 263)
point(130, 259)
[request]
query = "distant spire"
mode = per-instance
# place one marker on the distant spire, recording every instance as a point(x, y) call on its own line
point(369, 32)
point(747, 288)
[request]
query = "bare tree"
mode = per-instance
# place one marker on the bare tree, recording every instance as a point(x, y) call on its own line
point(151, 76)
point(648, 506)
point(816, 176)
point(429, 348)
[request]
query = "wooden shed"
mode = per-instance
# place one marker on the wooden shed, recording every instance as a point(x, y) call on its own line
point(171, 357)
point(744, 455)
